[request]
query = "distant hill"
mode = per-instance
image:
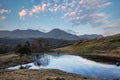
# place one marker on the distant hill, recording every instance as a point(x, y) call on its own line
point(92, 36)
point(110, 44)
point(55, 33)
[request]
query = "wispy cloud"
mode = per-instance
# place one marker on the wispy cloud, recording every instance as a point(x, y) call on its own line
point(4, 11)
point(2, 17)
point(88, 11)
point(37, 9)
point(112, 28)
point(75, 11)
point(72, 31)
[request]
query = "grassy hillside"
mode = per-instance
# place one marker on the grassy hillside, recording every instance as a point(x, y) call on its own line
point(110, 44)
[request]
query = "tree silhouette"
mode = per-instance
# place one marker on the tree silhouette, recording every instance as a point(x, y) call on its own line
point(23, 50)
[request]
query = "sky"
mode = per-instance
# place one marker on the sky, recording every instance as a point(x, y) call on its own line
point(74, 16)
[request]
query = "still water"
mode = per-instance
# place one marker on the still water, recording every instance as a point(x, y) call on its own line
point(74, 64)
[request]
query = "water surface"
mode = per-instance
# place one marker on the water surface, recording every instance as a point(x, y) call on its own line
point(74, 64)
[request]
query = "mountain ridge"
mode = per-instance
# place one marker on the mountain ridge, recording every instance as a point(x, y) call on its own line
point(55, 33)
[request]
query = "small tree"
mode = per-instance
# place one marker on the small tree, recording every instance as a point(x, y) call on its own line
point(23, 49)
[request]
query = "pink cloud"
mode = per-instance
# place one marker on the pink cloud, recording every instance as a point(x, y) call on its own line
point(72, 13)
point(63, 8)
point(36, 9)
point(23, 13)
point(43, 8)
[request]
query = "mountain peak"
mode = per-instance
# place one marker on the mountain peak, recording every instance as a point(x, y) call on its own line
point(57, 30)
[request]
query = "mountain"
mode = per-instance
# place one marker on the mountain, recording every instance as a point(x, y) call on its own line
point(60, 34)
point(106, 45)
point(55, 33)
point(21, 34)
point(91, 36)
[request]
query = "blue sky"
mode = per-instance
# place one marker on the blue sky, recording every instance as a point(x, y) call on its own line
point(74, 16)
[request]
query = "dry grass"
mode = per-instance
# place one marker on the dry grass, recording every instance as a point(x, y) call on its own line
point(42, 74)
point(8, 60)
point(107, 45)
point(5, 58)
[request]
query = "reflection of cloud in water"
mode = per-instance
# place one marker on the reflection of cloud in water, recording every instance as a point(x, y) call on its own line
point(78, 65)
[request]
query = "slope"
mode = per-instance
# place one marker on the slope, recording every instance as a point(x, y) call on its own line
point(110, 44)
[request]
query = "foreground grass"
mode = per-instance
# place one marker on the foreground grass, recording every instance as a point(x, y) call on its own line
point(42, 74)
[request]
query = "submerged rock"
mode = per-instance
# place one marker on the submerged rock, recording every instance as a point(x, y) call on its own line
point(22, 67)
point(25, 67)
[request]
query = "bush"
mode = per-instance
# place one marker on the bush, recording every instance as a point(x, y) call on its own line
point(23, 49)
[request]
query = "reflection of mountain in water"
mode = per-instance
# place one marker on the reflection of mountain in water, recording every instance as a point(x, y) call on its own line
point(57, 55)
point(41, 60)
